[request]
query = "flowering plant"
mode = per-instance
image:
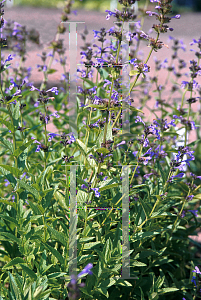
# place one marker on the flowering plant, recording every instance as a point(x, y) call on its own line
point(63, 195)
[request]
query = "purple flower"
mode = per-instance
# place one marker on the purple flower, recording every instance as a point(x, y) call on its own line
point(145, 69)
point(39, 146)
point(151, 13)
point(8, 59)
point(189, 198)
point(187, 84)
point(180, 175)
point(52, 135)
point(146, 143)
point(72, 138)
point(53, 90)
point(176, 17)
point(184, 84)
point(192, 125)
point(96, 33)
point(97, 194)
point(197, 271)
point(108, 82)
point(195, 213)
point(22, 176)
point(139, 119)
point(135, 153)
point(195, 42)
point(193, 280)
point(122, 143)
point(110, 13)
point(86, 270)
point(195, 176)
point(55, 114)
point(7, 182)
point(145, 160)
point(146, 176)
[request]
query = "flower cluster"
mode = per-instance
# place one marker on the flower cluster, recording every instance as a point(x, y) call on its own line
point(67, 139)
point(73, 286)
point(89, 189)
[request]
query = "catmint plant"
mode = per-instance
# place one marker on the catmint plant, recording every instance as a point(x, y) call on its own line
point(118, 202)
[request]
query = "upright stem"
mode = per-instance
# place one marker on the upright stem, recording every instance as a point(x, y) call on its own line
point(67, 181)
point(49, 65)
point(45, 139)
point(107, 114)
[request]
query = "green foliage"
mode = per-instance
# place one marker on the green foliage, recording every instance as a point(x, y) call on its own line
point(38, 214)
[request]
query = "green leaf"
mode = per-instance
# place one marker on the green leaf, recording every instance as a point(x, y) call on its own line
point(35, 208)
point(138, 264)
point(18, 151)
point(108, 184)
point(145, 235)
point(10, 237)
point(41, 177)
point(107, 283)
point(55, 253)
point(82, 197)
point(145, 207)
point(88, 246)
point(88, 81)
point(13, 99)
point(126, 105)
point(16, 114)
point(159, 282)
point(82, 146)
point(103, 291)
point(86, 239)
point(55, 275)
point(108, 136)
point(104, 151)
point(58, 236)
point(61, 199)
point(104, 74)
point(29, 189)
point(9, 125)
point(3, 200)
point(133, 72)
point(4, 67)
point(14, 287)
point(51, 71)
point(164, 177)
point(13, 262)
point(16, 172)
point(30, 272)
point(10, 219)
point(7, 144)
point(168, 290)
point(86, 150)
point(101, 107)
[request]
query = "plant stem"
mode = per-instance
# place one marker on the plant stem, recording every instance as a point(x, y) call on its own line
point(107, 114)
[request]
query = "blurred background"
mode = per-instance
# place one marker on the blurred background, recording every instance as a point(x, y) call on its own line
point(179, 6)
